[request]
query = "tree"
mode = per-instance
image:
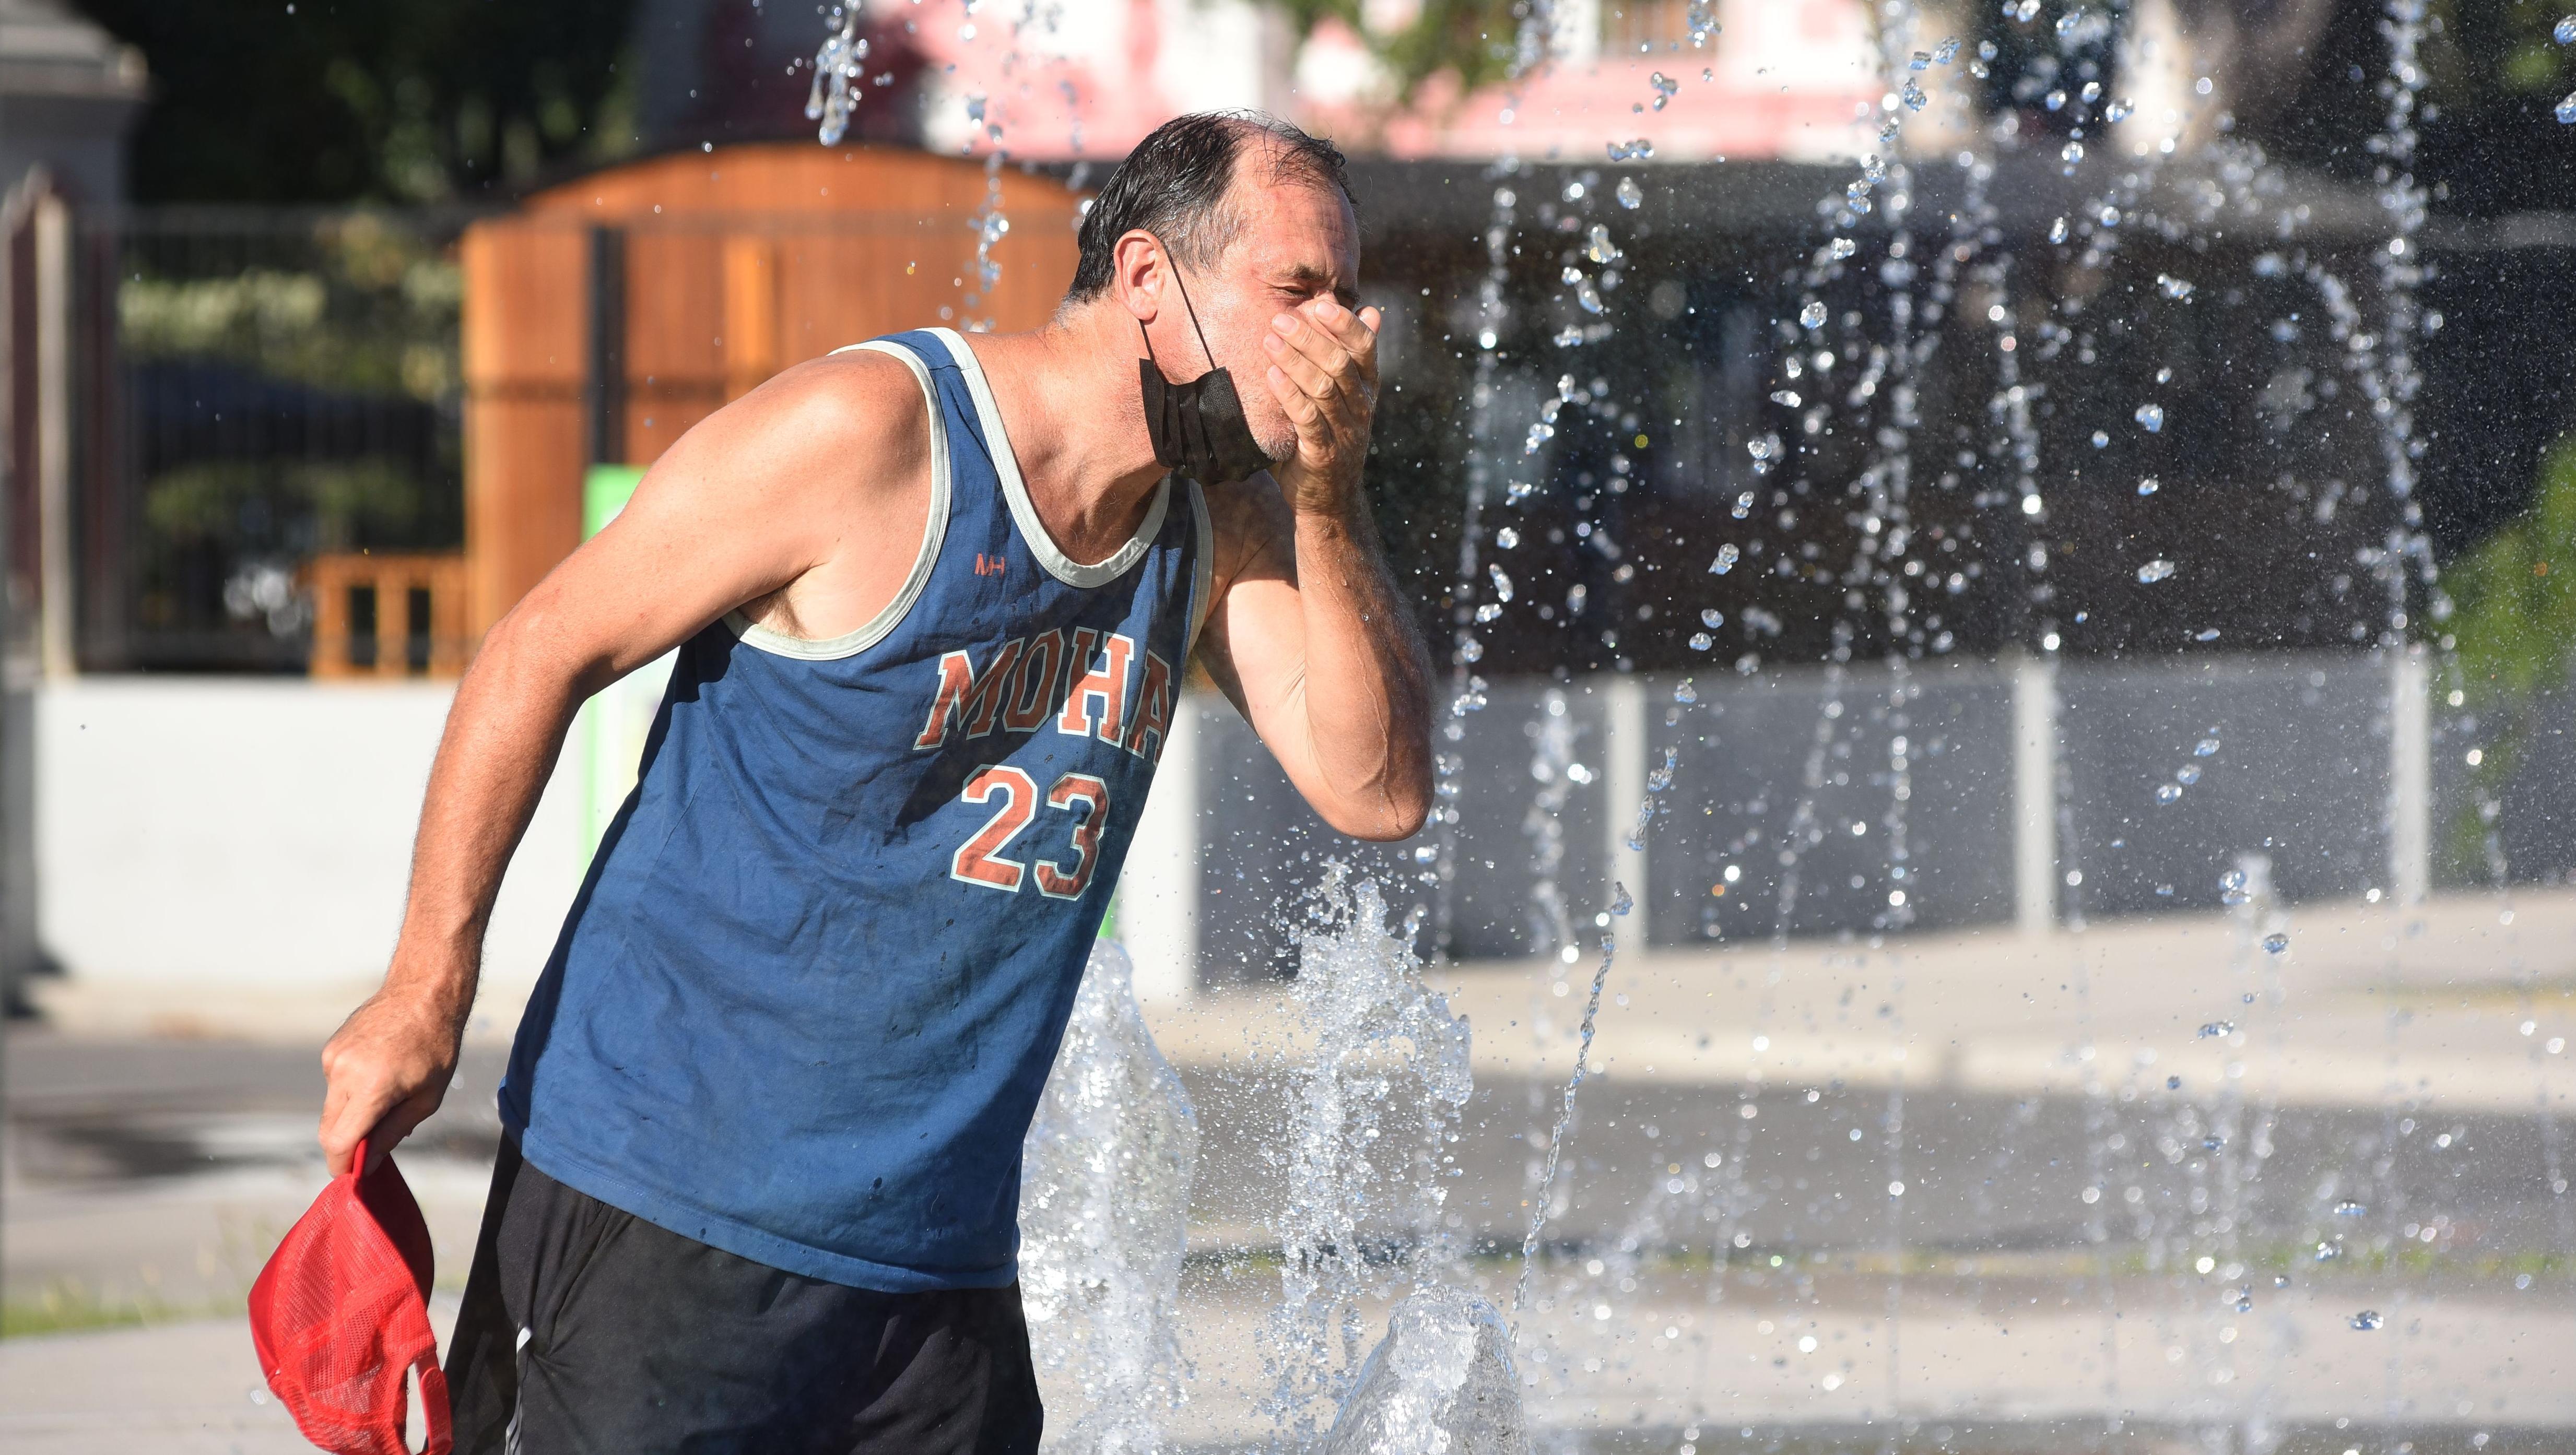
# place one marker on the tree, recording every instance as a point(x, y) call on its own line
point(328, 101)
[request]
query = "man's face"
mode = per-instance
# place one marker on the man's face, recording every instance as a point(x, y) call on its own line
point(1299, 243)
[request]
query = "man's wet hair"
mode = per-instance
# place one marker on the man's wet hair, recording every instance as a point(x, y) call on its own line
point(1174, 185)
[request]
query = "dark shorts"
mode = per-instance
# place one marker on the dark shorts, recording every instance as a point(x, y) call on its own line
point(640, 1340)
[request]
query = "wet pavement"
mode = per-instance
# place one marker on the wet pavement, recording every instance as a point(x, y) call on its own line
point(146, 1178)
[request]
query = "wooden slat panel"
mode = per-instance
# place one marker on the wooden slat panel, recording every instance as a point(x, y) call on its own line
point(751, 311)
point(726, 283)
point(526, 318)
point(524, 459)
point(392, 578)
point(782, 176)
point(674, 309)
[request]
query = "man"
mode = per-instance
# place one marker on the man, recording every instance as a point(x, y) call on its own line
point(932, 601)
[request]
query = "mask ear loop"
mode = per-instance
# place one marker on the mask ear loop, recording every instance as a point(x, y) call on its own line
point(1189, 307)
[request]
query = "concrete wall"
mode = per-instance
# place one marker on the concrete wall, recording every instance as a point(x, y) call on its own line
point(256, 833)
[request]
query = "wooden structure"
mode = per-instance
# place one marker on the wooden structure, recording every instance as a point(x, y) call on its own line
point(388, 615)
point(609, 314)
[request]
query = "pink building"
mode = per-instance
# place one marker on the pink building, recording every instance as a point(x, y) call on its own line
point(1065, 79)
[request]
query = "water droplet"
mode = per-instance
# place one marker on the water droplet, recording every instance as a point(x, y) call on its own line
point(2148, 486)
point(1630, 195)
point(2328, 1252)
point(2100, 439)
point(2117, 111)
point(2367, 1319)
point(1712, 618)
point(2070, 154)
point(1598, 246)
point(1946, 51)
point(2187, 775)
point(2215, 1029)
point(2565, 31)
point(2244, 1302)
point(1507, 537)
point(1841, 248)
point(1664, 86)
point(1912, 95)
point(2276, 942)
point(1637, 150)
point(2205, 748)
point(1727, 555)
point(2168, 792)
point(1701, 641)
point(1685, 692)
point(2152, 416)
point(2172, 287)
point(1502, 583)
point(2155, 570)
point(2173, 1083)
point(2567, 109)
point(1588, 296)
point(1788, 397)
point(2350, 1209)
point(1813, 315)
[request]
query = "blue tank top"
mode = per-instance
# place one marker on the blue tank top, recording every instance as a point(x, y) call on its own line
point(808, 995)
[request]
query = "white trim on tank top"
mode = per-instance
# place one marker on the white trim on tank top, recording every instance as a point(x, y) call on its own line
point(1024, 512)
point(934, 531)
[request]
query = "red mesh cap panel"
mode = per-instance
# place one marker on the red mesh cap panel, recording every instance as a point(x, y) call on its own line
point(341, 1314)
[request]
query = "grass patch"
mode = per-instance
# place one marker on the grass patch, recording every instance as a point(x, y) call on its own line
point(67, 1306)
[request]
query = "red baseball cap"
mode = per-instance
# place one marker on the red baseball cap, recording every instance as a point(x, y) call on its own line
point(341, 1314)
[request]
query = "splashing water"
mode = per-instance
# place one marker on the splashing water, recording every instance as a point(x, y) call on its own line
point(835, 92)
point(1441, 1383)
point(1104, 1217)
point(1379, 1040)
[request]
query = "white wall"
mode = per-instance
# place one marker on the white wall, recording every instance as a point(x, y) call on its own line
point(256, 833)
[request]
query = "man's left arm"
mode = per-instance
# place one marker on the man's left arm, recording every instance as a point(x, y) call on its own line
point(1307, 634)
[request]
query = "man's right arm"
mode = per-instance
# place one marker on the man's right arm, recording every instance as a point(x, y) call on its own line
point(745, 505)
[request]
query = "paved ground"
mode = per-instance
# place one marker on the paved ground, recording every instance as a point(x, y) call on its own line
point(2378, 1093)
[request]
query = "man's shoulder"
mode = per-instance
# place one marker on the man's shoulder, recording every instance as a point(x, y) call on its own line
point(857, 403)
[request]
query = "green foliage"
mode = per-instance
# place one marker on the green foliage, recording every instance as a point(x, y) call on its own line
point(370, 100)
point(2510, 42)
point(1472, 40)
point(377, 312)
point(2516, 613)
point(240, 503)
point(2515, 622)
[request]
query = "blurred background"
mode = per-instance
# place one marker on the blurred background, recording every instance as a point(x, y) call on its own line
point(328, 328)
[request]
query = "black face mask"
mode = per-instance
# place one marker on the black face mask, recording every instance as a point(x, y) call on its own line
point(1198, 427)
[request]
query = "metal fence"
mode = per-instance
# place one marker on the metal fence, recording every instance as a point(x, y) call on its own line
point(2112, 789)
point(261, 388)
